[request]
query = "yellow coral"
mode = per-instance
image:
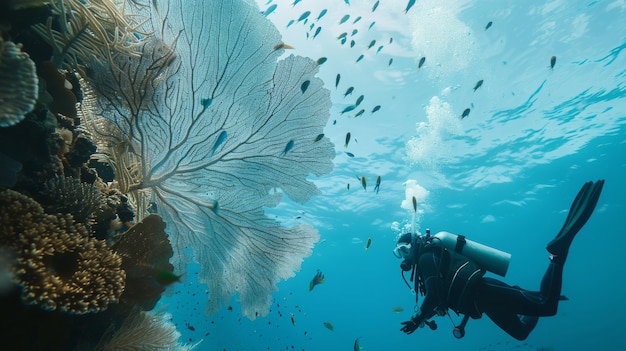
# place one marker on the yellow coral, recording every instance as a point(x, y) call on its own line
point(59, 266)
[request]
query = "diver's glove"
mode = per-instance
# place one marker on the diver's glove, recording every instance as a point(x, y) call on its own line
point(410, 326)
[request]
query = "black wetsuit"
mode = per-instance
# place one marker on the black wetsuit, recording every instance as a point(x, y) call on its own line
point(512, 308)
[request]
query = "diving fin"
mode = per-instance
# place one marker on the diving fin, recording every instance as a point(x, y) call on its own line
point(582, 208)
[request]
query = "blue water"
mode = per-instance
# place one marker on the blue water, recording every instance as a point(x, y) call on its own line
point(504, 176)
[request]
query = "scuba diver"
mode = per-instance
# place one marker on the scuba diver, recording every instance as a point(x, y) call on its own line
point(448, 270)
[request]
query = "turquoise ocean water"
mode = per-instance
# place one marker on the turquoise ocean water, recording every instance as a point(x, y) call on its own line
point(504, 176)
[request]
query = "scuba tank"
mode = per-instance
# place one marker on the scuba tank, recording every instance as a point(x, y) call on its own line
point(490, 259)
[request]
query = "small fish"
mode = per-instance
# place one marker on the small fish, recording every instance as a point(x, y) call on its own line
point(390, 62)
point(375, 6)
point(220, 139)
point(347, 2)
point(317, 31)
point(362, 111)
point(344, 19)
point(397, 309)
point(282, 45)
point(390, 40)
point(414, 204)
point(376, 108)
point(348, 91)
point(304, 16)
point(305, 85)
point(288, 147)
point(321, 60)
point(329, 326)
point(348, 186)
point(371, 25)
point(379, 48)
point(360, 58)
point(290, 23)
point(334, 121)
point(343, 41)
point(348, 109)
point(354, 31)
point(421, 63)
point(318, 137)
point(478, 85)
point(216, 207)
point(337, 79)
point(356, 20)
point(552, 62)
point(295, 2)
point(368, 243)
point(347, 139)
point(270, 10)
point(372, 43)
point(488, 25)
point(342, 35)
point(364, 183)
point(317, 279)
point(359, 100)
point(352, 43)
point(206, 102)
point(293, 322)
point(377, 186)
point(409, 5)
point(465, 113)
point(357, 346)
point(311, 26)
point(165, 278)
point(349, 154)
point(322, 13)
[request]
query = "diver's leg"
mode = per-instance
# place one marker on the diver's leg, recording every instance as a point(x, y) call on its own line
point(580, 211)
point(499, 302)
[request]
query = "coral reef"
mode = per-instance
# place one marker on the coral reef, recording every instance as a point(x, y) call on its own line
point(19, 86)
point(69, 195)
point(58, 265)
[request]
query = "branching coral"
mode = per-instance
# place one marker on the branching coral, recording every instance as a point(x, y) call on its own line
point(58, 265)
point(19, 86)
point(69, 195)
point(83, 31)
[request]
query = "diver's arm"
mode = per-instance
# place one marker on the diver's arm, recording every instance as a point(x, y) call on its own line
point(429, 266)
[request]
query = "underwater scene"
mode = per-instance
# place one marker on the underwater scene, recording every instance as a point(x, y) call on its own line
point(312, 175)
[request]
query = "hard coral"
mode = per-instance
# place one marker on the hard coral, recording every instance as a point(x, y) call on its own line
point(70, 195)
point(59, 266)
point(19, 86)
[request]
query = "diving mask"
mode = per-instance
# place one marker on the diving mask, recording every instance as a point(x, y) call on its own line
point(402, 250)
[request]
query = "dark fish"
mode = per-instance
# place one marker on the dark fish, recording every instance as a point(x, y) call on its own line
point(318, 138)
point(371, 25)
point(328, 325)
point(421, 63)
point(334, 121)
point(342, 35)
point(293, 322)
point(288, 147)
point(165, 278)
point(347, 139)
point(488, 25)
point(359, 100)
point(368, 243)
point(317, 31)
point(206, 102)
point(375, 6)
point(220, 139)
point(379, 48)
point(216, 207)
point(478, 84)
point(304, 16)
point(347, 2)
point(337, 79)
point(414, 204)
point(348, 109)
point(357, 347)
point(305, 85)
point(360, 58)
point(322, 13)
point(343, 41)
point(376, 108)
point(354, 31)
point(270, 10)
point(290, 23)
point(321, 60)
point(390, 40)
point(348, 186)
point(552, 62)
point(364, 183)
point(372, 43)
point(352, 42)
point(317, 279)
point(348, 91)
point(344, 19)
point(362, 111)
point(465, 113)
point(349, 154)
point(377, 187)
point(390, 62)
point(409, 5)
point(356, 20)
